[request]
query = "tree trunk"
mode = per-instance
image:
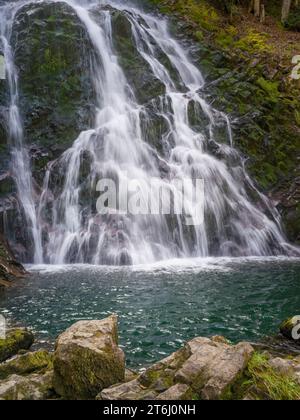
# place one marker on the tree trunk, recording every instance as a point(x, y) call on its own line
point(257, 8)
point(286, 7)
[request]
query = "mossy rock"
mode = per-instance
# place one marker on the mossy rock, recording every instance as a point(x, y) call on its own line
point(138, 72)
point(39, 361)
point(51, 49)
point(87, 359)
point(16, 340)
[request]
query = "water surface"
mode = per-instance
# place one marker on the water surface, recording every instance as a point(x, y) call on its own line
point(162, 305)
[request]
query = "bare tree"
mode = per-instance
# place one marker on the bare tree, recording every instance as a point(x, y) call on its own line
point(286, 8)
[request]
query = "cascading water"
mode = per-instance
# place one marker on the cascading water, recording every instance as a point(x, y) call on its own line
point(119, 147)
point(20, 161)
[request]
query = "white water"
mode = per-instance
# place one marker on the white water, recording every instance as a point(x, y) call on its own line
point(118, 148)
point(20, 161)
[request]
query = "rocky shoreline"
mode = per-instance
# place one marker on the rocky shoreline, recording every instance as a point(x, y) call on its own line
point(88, 364)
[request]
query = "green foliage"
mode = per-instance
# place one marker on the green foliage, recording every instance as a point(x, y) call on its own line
point(271, 88)
point(199, 12)
point(293, 21)
point(262, 381)
point(254, 42)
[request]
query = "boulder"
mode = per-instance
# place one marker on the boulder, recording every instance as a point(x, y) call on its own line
point(87, 359)
point(32, 387)
point(39, 361)
point(16, 340)
point(214, 366)
point(204, 368)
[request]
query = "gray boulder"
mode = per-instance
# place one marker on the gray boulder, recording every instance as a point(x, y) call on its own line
point(87, 359)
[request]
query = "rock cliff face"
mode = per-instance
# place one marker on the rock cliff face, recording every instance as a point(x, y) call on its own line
point(51, 51)
point(10, 269)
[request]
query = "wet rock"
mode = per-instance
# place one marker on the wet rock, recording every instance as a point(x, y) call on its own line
point(16, 340)
point(87, 359)
point(32, 387)
point(10, 269)
point(56, 90)
point(39, 361)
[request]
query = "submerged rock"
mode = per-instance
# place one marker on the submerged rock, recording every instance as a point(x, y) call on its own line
point(87, 359)
point(16, 340)
point(32, 387)
point(205, 368)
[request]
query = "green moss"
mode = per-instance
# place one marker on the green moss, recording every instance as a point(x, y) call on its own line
point(263, 382)
point(254, 42)
point(40, 361)
point(18, 339)
point(199, 12)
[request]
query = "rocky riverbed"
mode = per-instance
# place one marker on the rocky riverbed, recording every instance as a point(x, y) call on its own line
point(87, 363)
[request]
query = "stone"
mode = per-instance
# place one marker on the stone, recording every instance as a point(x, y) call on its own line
point(32, 387)
point(16, 340)
point(130, 375)
point(287, 367)
point(214, 366)
point(39, 361)
point(178, 392)
point(87, 359)
point(204, 368)
point(132, 390)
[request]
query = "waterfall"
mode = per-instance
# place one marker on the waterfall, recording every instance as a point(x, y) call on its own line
point(20, 161)
point(119, 147)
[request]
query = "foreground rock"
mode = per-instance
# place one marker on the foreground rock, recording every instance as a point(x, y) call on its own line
point(32, 387)
point(287, 367)
point(88, 359)
point(88, 364)
point(16, 340)
point(205, 368)
point(40, 361)
point(9, 267)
